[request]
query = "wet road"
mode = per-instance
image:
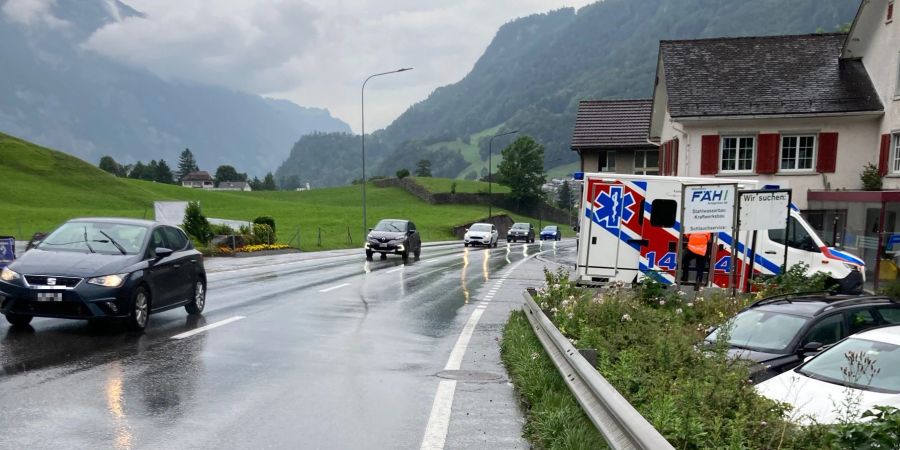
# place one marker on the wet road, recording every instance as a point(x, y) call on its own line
point(317, 350)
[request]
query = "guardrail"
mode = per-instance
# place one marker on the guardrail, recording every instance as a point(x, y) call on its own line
point(621, 425)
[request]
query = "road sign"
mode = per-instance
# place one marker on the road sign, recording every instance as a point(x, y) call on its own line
point(709, 208)
point(7, 250)
point(764, 210)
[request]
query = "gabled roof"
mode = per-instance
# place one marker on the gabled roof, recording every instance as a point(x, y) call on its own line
point(198, 176)
point(233, 184)
point(611, 124)
point(767, 75)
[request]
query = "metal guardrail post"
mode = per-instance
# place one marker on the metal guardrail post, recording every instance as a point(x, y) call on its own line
point(621, 425)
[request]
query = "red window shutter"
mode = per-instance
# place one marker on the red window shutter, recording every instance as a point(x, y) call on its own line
point(674, 154)
point(826, 162)
point(767, 153)
point(709, 154)
point(662, 158)
point(885, 156)
point(668, 153)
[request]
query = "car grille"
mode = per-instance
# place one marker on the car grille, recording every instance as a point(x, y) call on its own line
point(44, 280)
point(67, 309)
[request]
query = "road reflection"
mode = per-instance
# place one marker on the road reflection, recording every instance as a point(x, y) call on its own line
point(508, 251)
point(463, 275)
point(484, 265)
point(115, 406)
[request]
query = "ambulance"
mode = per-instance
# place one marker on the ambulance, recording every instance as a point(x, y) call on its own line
point(629, 230)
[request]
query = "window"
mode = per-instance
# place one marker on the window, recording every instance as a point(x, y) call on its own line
point(797, 152)
point(175, 238)
point(828, 331)
point(646, 162)
point(737, 154)
point(861, 320)
point(896, 153)
point(890, 315)
point(607, 161)
point(156, 241)
point(797, 237)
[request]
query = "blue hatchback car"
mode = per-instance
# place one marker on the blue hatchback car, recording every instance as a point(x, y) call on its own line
point(551, 232)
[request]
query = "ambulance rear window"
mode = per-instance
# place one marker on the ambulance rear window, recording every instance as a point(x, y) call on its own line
point(663, 213)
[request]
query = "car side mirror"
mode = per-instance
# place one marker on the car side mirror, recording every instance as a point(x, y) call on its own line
point(467, 229)
point(162, 253)
point(370, 229)
point(811, 347)
point(411, 232)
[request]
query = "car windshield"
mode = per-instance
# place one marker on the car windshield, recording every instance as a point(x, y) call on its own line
point(520, 226)
point(881, 359)
point(549, 228)
point(761, 330)
point(96, 237)
point(480, 227)
point(391, 225)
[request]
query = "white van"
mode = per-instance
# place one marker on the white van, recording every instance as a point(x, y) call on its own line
point(629, 230)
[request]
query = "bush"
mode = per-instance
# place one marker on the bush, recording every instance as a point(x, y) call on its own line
point(795, 280)
point(453, 187)
point(871, 178)
point(263, 233)
point(268, 220)
point(402, 173)
point(195, 223)
point(221, 230)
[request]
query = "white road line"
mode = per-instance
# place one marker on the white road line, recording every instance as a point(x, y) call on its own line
point(333, 288)
point(395, 270)
point(207, 327)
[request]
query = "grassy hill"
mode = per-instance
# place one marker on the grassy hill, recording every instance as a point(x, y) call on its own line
point(44, 188)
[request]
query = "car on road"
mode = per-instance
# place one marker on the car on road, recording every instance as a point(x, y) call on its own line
point(396, 236)
point(521, 231)
point(864, 367)
point(105, 268)
point(551, 232)
point(778, 333)
point(481, 234)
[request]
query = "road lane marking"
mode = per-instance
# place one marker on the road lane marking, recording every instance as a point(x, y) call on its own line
point(395, 270)
point(207, 327)
point(333, 288)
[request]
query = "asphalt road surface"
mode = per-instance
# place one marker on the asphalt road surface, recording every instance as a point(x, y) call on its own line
point(315, 350)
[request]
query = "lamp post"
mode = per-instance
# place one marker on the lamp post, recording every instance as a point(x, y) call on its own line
point(490, 169)
point(363, 135)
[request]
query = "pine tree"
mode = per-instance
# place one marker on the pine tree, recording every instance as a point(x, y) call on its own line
point(255, 184)
point(152, 170)
point(164, 173)
point(423, 168)
point(137, 171)
point(186, 164)
point(564, 198)
point(268, 183)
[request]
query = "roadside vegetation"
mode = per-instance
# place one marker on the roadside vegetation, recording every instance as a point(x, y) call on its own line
point(646, 340)
point(45, 188)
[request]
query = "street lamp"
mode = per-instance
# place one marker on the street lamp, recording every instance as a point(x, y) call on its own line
point(490, 168)
point(363, 129)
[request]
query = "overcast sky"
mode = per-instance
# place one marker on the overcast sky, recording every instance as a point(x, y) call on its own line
point(316, 52)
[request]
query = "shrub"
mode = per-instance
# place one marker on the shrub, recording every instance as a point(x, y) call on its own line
point(195, 223)
point(402, 173)
point(795, 280)
point(263, 233)
point(221, 230)
point(268, 220)
point(453, 187)
point(871, 178)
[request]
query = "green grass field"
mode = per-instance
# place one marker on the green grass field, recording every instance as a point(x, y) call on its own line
point(440, 185)
point(44, 188)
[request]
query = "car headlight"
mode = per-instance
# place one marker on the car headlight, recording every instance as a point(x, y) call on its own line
point(108, 280)
point(366, 246)
point(852, 267)
point(8, 275)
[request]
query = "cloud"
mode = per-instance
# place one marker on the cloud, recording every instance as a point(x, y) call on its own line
point(315, 52)
point(32, 13)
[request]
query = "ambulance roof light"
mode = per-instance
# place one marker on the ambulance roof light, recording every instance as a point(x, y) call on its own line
point(578, 175)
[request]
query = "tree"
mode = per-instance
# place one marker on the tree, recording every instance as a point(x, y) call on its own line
point(108, 164)
point(565, 198)
point(229, 173)
point(186, 164)
point(255, 184)
point(423, 168)
point(164, 173)
point(152, 171)
point(196, 224)
point(138, 171)
point(268, 183)
point(402, 173)
point(522, 169)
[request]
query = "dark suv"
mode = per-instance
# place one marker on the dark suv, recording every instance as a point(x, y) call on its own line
point(520, 232)
point(778, 333)
point(394, 236)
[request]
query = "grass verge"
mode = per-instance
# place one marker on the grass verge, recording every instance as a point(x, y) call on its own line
point(554, 418)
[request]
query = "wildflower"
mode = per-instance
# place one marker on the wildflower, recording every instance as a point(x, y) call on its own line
point(555, 286)
point(690, 304)
point(573, 341)
point(626, 318)
point(662, 303)
point(544, 305)
point(554, 310)
point(763, 423)
point(678, 311)
point(570, 316)
point(534, 356)
point(572, 297)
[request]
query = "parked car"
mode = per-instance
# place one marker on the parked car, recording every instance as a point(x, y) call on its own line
point(777, 333)
point(396, 236)
point(481, 234)
point(520, 232)
point(551, 232)
point(105, 268)
point(817, 388)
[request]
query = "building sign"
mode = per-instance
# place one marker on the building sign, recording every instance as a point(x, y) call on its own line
point(764, 210)
point(709, 208)
point(7, 251)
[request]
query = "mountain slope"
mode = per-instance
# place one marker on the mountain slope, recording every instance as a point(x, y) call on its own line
point(537, 68)
point(58, 94)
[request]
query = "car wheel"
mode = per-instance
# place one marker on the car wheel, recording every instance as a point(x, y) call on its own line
point(466, 244)
point(196, 305)
point(369, 255)
point(18, 320)
point(140, 310)
point(383, 256)
point(418, 253)
point(405, 256)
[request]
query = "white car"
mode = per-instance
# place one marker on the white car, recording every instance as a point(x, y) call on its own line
point(818, 388)
point(481, 234)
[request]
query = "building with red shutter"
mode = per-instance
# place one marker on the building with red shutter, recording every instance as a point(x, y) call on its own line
point(808, 112)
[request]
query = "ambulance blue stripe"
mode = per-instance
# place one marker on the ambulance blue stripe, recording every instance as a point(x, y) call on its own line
point(656, 276)
point(772, 267)
point(846, 257)
point(634, 245)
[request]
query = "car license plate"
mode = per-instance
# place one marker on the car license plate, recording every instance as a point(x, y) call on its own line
point(382, 245)
point(49, 296)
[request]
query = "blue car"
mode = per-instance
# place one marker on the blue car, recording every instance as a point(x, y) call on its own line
point(551, 232)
